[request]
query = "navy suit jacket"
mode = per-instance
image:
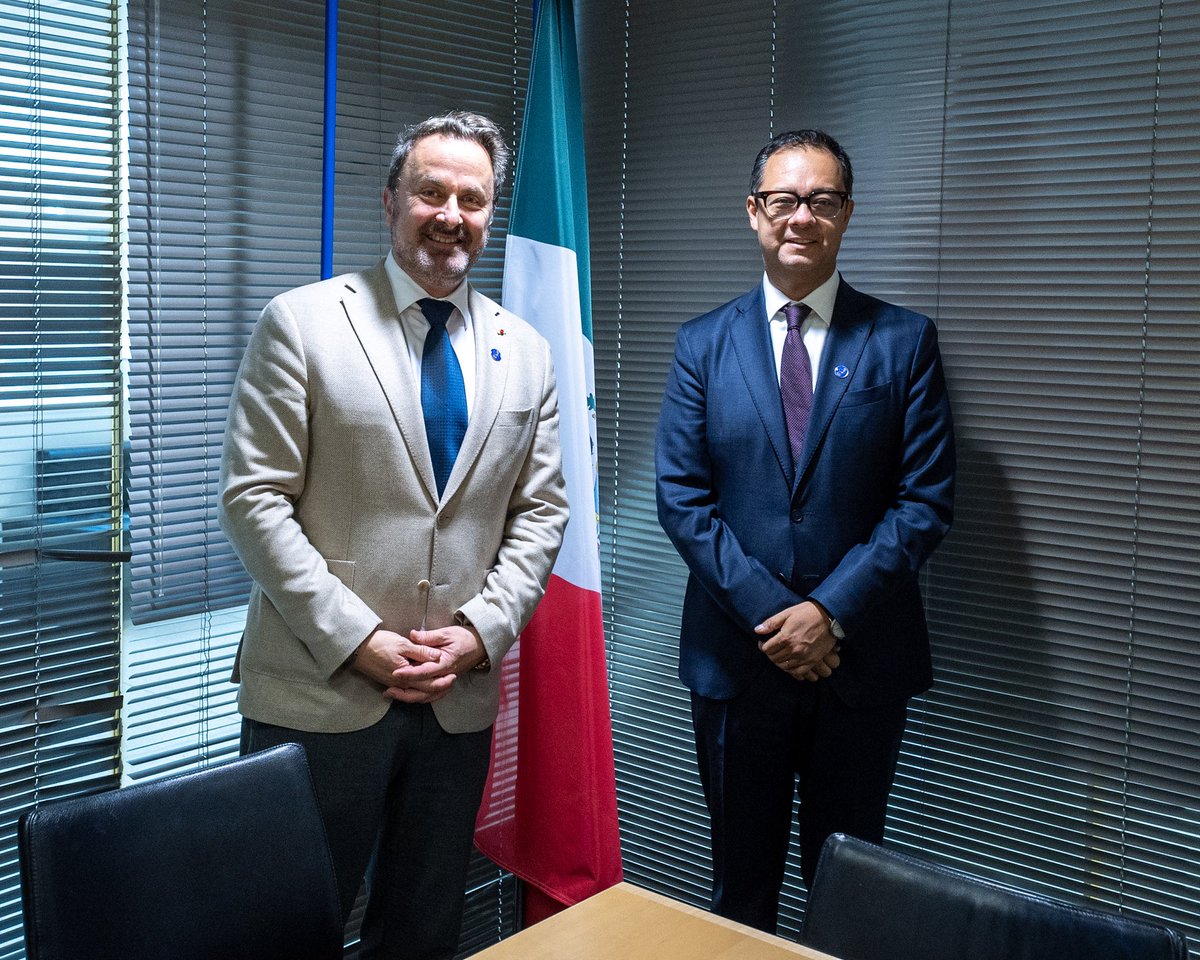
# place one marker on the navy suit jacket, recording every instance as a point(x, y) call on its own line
point(848, 525)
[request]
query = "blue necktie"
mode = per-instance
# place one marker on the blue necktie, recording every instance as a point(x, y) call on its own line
point(795, 379)
point(443, 395)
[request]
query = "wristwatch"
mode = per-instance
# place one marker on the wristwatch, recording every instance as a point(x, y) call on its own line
point(484, 665)
point(836, 629)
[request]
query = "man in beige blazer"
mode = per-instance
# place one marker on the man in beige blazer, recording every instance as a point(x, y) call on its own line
point(385, 594)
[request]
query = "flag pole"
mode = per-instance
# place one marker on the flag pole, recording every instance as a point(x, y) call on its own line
point(329, 143)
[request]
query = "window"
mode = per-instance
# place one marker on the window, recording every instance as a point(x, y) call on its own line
point(60, 504)
point(225, 212)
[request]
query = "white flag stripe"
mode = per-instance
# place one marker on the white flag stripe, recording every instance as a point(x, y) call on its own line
point(541, 285)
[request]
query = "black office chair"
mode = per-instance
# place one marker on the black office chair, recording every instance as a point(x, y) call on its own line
point(869, 903)
point(228, 863)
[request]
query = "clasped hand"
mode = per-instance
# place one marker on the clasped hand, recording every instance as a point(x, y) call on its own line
point(421, 668)
point(799, 641)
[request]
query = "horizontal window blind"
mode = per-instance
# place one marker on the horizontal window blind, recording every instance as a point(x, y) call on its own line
point(60, 515)
point(1022, 174)
point(225, 171)
point(225, 212)
point(1063, 732)
point(677, 98)
point(180, 706)
point(401, 62)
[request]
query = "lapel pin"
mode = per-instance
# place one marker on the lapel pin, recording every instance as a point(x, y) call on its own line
point(495, 354)
point(500, 332)
point(841, 371)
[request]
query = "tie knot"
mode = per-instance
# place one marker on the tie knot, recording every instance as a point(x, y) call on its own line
point(437, 312)
point(795, 313)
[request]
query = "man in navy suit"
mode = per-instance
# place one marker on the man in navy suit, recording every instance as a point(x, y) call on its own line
point(805, 460)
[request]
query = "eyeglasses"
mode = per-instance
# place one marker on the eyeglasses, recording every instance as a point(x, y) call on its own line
point(783, 204)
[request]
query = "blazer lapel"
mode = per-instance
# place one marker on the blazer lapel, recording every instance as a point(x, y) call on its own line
point(848, 334)
point(492, 365)
point(751, 339)
point(371, 310)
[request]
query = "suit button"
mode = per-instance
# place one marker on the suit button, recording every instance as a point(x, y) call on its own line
point(423, 585)
point(797, 516)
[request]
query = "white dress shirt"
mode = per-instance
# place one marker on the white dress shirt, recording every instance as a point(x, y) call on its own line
point(412, 321)
point(815, 328)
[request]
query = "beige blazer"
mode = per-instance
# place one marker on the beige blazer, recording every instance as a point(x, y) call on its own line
point(328, 497)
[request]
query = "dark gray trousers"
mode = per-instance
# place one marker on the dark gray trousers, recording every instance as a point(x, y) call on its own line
point(399, 801)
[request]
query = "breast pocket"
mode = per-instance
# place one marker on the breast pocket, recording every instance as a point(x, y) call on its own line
point(514, 419)
point(508, 446)
point(856, 398)
point(514, 428)
point(867, 426)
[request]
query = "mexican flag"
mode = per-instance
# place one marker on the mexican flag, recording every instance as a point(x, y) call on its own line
point(550, 813)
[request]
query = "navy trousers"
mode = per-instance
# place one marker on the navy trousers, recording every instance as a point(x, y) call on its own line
point(399, 801)
point(779, 738)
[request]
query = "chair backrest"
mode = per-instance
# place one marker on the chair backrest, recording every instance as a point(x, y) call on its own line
point(228, 863)
point(870, 903)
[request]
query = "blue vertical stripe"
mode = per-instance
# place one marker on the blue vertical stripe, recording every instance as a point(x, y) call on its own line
point(330, 138)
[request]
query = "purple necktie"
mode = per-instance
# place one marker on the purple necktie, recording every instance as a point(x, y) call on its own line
point(795, 379)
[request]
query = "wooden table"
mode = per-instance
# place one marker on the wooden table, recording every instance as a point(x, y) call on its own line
point(628, 923)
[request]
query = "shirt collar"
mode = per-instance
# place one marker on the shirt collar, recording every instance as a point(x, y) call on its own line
point(820, 301)
point(407, 291)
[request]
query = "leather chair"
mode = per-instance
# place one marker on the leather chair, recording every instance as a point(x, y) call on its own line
point(228, 863)
point(869, 903)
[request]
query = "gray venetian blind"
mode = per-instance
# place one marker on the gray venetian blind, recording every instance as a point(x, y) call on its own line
point(225, 183)
point(1026, 175)
point(60, 516)
point(225, 107)
point(225, 212)
point(677, 101)
point(401, 62)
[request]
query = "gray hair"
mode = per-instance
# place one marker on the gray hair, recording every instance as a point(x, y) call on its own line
point(461, 125)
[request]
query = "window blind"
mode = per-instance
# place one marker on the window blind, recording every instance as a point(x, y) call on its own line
point(225, 195)
point(401, 62)
point(677, 99)
point(1063, 733)
point(60, 518)
point(224, 212)
point(1023, 176)
point(225, 172)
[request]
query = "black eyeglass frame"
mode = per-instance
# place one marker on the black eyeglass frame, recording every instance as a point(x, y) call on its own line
point(760, 197)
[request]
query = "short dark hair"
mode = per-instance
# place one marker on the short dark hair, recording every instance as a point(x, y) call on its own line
point(461, 125)
point(811, 139)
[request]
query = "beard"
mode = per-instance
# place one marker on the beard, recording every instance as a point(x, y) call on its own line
point(433, 269)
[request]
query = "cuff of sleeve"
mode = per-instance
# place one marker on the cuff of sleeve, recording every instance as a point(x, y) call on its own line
point(489, 624)
point(341, 651)
point(484, 665)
